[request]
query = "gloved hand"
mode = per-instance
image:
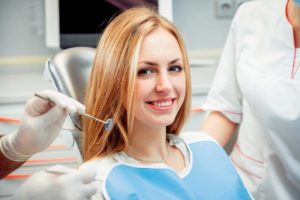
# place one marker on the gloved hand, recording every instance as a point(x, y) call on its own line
point(40, 125)
point(74, 185)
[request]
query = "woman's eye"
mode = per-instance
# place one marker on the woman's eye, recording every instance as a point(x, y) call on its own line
point(175, 68)
point(145, 71)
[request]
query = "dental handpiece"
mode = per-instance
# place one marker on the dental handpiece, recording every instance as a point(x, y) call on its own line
point(108, 124)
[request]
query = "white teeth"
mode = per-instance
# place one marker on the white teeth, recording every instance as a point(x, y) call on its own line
point(162, 104)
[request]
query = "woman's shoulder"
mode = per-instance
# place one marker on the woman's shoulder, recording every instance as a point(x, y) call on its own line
point(196, 136)
point(102, 165)
point(101, 161)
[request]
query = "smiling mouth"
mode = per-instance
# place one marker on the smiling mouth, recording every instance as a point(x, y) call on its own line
point(162, 103)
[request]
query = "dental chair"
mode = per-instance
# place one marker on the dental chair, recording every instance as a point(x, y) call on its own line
point(68, 71)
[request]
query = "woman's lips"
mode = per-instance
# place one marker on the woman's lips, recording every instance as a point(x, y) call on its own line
point(162, 104)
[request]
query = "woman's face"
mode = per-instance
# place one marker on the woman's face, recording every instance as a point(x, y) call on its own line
point(160, 85)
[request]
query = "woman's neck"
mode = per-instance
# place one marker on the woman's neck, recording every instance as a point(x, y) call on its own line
point(149, 143)
point(294, 17)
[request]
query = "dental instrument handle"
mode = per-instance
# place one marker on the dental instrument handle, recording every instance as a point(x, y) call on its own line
point(90, 116)
point(108, 124)
point(45, 98)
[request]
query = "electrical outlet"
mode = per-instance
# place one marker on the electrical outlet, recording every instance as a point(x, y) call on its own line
point(224, 8)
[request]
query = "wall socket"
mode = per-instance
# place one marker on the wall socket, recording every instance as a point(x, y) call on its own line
point(227, 8)
point(224, 8)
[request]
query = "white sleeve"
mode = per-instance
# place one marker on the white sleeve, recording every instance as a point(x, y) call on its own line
point(225, 95)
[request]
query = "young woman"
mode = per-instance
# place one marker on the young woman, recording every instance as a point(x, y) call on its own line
point(141, 79)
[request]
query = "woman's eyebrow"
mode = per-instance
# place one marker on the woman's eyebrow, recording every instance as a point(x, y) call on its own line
point(147, 62)
point(154, 63)
point(174, 61)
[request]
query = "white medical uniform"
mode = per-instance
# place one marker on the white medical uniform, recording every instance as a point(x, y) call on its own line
point(257, 84)
point(209, 174)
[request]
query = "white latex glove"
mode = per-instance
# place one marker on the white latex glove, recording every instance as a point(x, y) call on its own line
point(74, 185)
point(40, 125)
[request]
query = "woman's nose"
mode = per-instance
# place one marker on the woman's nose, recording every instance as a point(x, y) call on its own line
point(163, 83)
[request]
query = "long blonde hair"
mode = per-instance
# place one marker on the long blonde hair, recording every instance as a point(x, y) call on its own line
point(110, 91)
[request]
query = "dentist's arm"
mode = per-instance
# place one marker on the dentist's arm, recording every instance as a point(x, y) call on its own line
point(40, 125)
point(7, 165)
point(219, 127)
